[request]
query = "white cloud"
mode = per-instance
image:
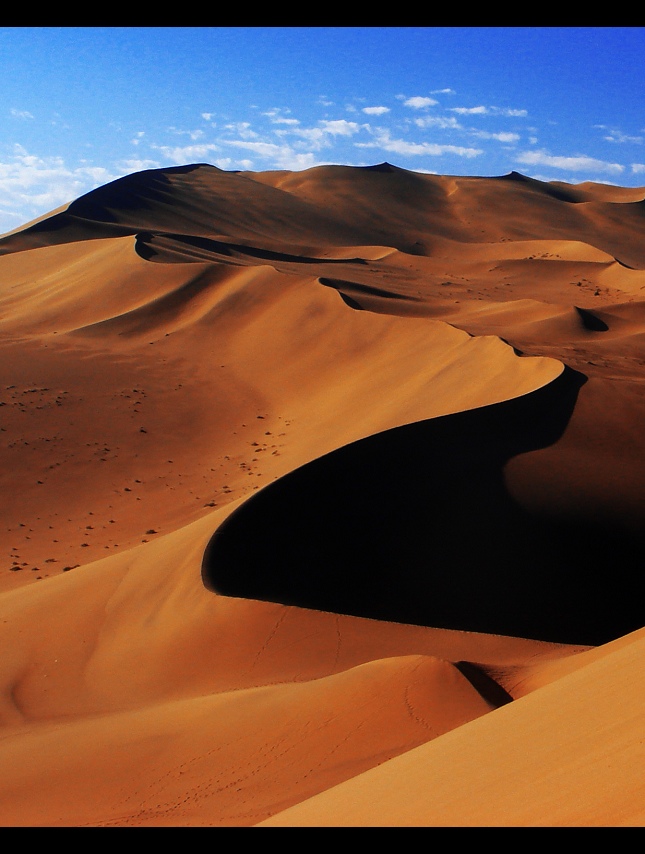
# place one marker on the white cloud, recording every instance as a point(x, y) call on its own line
point(207, 116)
point(443, 92)
point(402, 146)
point(21, 114)
point(339, 127)
point(285, 156)
point(31, 185)
point(575, 163)
point(279, 156)
point(10, 219)
point(418, 102)
point(637, 168)
point(322, 136)
point(376, 111)
point(97, 174)
point(296, 162)
point(469, 111)
point(264, 149)
point(229, 163)
point(314, 137)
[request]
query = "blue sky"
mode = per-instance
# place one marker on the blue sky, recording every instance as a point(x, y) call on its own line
point(81, 106)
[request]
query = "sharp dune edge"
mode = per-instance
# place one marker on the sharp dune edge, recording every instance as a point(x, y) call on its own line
point(323, 502)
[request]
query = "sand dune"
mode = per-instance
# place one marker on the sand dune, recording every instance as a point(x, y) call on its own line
point(317, 488)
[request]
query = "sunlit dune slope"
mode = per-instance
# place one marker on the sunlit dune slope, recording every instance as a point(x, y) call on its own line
point(568, 755)
point(149, 700)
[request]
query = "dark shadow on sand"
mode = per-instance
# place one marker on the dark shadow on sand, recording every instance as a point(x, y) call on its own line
point(415, 525)
point(166, 247)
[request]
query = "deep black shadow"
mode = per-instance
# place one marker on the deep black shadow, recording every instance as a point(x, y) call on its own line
point(591, 321)
point(484, 684)
point(415, 525)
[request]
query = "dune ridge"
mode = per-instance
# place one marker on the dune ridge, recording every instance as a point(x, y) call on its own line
point(315, 482)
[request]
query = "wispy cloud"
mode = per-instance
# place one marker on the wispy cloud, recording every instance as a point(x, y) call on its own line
point(401, 146)
point(482, 110)
point(502, 136)
point(507, 111)
point(243, 129)
point(620, 137)
point(186, 153)
point(193, 134)
point(30, 184)
point(575, 163)
point(276, 117)
point(322, 136)
point(438, 122)
point(20, 114)
point(279, 156)
point(469, 111)
point(311, 137)
point(638, 168)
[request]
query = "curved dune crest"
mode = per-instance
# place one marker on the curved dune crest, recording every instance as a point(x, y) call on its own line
point(312, 481)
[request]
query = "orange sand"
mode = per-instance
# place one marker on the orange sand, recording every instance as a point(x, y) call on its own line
point(323, 502)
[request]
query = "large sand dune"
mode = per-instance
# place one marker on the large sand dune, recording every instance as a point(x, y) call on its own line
point(323, 502)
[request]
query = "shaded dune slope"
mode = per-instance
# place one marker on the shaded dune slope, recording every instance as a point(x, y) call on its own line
point(198, 200)
point(429, 534)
